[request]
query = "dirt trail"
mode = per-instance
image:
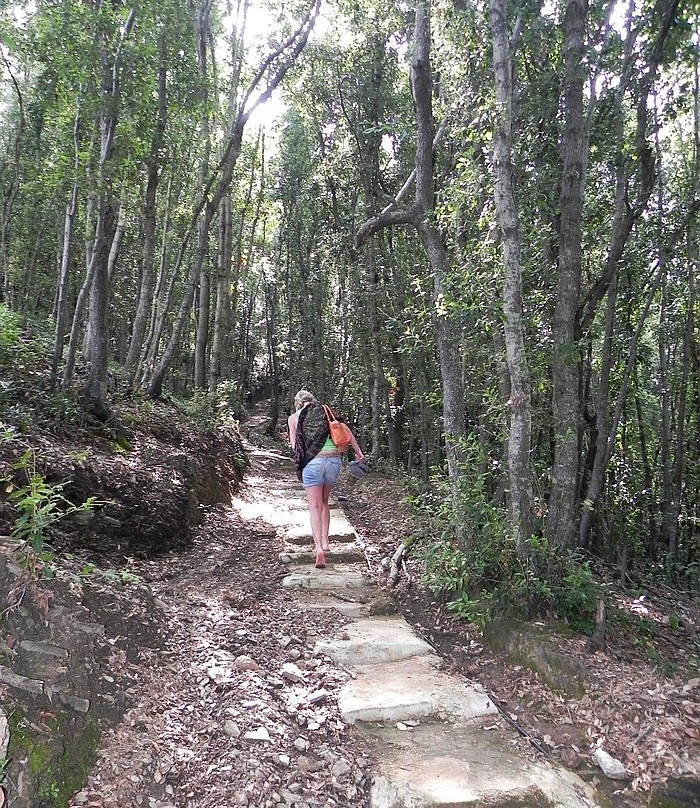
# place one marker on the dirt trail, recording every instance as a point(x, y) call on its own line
point(221, 717)
point(205, 705)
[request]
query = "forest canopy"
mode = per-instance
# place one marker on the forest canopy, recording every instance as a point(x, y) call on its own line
point(473, 229)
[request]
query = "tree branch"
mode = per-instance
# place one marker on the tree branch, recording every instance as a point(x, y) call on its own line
point(409, 215)
point(300, 37)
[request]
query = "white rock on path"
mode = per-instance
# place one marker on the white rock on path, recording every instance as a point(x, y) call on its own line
point(292, 673)
point(610, 766)
point(259, 734)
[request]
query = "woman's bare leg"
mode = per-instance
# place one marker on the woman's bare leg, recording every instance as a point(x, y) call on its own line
point(325, 518)
point(314, 496)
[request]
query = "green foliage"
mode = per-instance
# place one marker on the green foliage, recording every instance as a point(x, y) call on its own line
point(474, 568)
point(197, 407)
point(40, 504)
point(121, 576)
point(228, 402)
point(491, 579)
point(10, 332)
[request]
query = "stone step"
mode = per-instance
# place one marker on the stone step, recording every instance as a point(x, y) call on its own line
point(463, 765)
point(374, 640)
point(303, 538)
point(354, 603)
point(412, 688)
point(325, 580)
point(340, 528)
point(345, 556)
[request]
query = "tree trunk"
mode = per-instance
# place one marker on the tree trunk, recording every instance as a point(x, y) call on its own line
point(223, 296)
point(602, 420)
point(377, 365)
point(153, 169)
point(273, 70)
point(8, 197)
point(519, 476)
point(566, 359)
point(66, 257)
point(272, 315)
point(98, 243)
point(116, 245)
point(163, 296)
point(202, 332)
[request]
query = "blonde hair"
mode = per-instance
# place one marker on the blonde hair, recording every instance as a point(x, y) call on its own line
point(303, 397)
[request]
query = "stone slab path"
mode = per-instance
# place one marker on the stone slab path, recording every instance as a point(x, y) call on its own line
point(438, 739)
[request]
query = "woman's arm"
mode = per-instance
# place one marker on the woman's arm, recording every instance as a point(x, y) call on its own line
point(292, 428)
point(356, 446)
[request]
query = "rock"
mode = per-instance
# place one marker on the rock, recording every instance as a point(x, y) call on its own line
point(318, 696)
point(610, 766)
point(676, 793)
point(245, 663)
point(259, 734)
point(341, 768)
point(382, 605)
point(536, 648)
point(292, 673)
point(307, 765)
point(301, 744)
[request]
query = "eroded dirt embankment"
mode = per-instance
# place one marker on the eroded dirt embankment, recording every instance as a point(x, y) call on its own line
point(77, 621)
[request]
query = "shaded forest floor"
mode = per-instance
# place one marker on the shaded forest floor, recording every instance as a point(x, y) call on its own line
point(220, 606)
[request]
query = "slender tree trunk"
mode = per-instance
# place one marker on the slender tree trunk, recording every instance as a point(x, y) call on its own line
point(652, 539)
point(202, 332)
point(66, 258)
point(377, 365)
point(9, 195)
point(164, 292)
point(272, 71)
point(519, 476)
point(562, 518)
point(95, 390)
point(153, 170)
point(448, 340)
point(223, 296)
point(272, 312)
point(602, 417)
point(117, 238)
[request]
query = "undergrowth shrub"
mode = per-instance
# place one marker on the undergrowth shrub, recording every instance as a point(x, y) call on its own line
point(474, 569)
point(10, 332)
point(25, 342)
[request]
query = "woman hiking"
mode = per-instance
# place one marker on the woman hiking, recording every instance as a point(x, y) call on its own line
point(318, 463)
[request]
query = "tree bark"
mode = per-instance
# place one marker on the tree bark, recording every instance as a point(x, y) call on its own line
point(66, 258)
point(202, 330)
point(153, 169)
point(223, 296)
point(519, 476)
point(566, 359)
